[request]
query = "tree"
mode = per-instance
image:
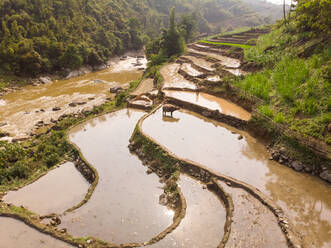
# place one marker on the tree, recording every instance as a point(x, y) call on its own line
point(314, 16)
point(71, 58)
point(188, 26)
point(172, 41)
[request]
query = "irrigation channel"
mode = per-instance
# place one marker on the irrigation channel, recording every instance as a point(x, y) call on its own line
point(229, 193)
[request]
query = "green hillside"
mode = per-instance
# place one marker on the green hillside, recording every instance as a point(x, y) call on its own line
point(45, 36)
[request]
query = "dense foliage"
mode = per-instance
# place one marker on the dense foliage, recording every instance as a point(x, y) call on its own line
point(47, 35)
point(314, 16)
point(19, 162)
point(296, 81)
point(43, 36)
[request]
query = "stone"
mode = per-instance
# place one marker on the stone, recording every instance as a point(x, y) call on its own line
point(326, 175)
point(45, 80)
point(2, 124)
point(329, 128)
point(149, 171)
point(282, 150)
point(240, 137)
point(163, 200)
point(72, 104)
point(55, 221)
point(206, 113)
point(307, 168)
point(297, 165)
point(89, 241)
point(210, 185)
point(56, 109)
point(2, 135)
point(116, 90)
point(81, 103)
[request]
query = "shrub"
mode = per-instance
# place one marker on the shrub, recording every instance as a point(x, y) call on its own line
point(266, 110)
point(279, 118)
point(51, 160)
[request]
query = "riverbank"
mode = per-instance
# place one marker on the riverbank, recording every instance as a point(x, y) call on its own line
point(12, 83)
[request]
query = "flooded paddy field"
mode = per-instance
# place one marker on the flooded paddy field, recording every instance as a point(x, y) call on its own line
point(203, 225)
point(59, 190)
point(210, 102)
point(124, 207)
point(218, 147)
point(173, 79)
point(14, 234)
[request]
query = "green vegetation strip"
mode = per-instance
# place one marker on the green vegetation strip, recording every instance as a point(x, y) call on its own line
point(225, 44)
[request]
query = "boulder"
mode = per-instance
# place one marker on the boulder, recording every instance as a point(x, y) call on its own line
point(116, 90)
point(72, 104)
point(163, 199)
point(297, 165)
point(2, 135)
point(81, 103)
point(56, 109)
point(326, 175)
point(2, 124)
point(45, 80)
point(282, 150)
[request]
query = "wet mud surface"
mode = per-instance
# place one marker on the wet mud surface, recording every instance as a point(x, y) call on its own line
point(59, 190)
point(225, 61)
point(173, 79)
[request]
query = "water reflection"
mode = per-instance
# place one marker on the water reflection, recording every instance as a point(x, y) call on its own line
point(125, 205)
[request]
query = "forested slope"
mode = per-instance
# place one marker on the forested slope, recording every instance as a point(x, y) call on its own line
point(43, 36)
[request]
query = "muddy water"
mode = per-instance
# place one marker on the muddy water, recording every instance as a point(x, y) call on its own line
point(203, 224)
point(250, 216)
point(51, 195)
point(173, 79)
point(226, 61)
point(305, 199)
point(14, 234)
point(201, 62)
point(211, 102)
point(21, 109)
point(190, 70)
point(125, 205)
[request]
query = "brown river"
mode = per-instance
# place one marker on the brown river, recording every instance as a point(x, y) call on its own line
point(23, 109)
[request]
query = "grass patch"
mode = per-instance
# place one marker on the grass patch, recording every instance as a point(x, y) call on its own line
point(225, 44)
point(296, 89)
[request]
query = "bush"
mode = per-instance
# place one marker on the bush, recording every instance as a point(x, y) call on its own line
point(51, 160)
point(266, 110)
point(279, 118)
